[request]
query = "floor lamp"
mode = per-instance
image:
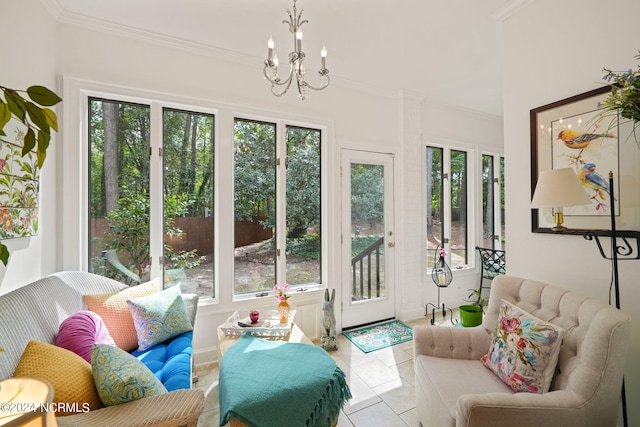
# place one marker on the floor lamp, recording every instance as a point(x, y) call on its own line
point(559, 188)
point(625, 251)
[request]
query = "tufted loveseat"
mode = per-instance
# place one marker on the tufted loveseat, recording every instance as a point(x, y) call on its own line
point(454, 388)
point(35, 312)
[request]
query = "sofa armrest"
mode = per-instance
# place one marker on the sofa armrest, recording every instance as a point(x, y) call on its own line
point(176, 408)
point(451, 343)
point(191, 305)
point(561, 407)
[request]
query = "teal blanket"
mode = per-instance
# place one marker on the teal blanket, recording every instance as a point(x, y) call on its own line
point(275, 384)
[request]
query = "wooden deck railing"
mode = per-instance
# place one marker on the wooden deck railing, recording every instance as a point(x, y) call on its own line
point(367, 280)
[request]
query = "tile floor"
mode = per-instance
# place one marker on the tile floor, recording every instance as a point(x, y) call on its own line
point(381, 383)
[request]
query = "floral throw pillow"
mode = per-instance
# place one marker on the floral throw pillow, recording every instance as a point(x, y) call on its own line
point(524, 352)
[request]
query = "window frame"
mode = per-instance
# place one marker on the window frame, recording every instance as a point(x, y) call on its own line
point(472, 223)
point(281, 125)
point(498, 185)
point(73, 203)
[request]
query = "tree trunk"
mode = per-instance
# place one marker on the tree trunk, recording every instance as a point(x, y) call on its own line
point(110, 167)
point(182, 184)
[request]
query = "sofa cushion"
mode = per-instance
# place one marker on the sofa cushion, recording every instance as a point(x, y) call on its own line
point(69, 374)
point(114, 310)
point(119, 377)
point(524, 351)
point(159, 317)
point(80, 331)
point(448, 379)
point(170, 361)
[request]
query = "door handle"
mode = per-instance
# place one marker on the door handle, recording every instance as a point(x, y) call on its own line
point(391, 245)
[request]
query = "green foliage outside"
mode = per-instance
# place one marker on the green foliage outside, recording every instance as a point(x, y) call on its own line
point(255, 183)
point(367, 193)
point(359, 244)
point(128, 233)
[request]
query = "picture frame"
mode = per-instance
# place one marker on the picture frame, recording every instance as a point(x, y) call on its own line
point(19, 185)
point(576, 132)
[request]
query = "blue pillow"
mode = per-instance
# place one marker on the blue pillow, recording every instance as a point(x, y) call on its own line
point(159, 317)
point(119, 377)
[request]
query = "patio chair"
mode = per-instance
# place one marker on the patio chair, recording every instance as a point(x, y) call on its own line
point(112, 258)
point(493, 262)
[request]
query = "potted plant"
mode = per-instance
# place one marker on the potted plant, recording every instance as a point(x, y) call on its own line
point(624, 98)
point(471, 314)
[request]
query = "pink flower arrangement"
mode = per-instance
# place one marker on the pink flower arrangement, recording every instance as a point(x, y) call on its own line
point(280, 292)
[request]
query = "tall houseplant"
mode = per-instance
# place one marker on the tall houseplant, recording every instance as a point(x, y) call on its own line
point(36, 119)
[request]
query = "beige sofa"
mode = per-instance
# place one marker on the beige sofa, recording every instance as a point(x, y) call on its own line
point(454, 388)
point(35, 311)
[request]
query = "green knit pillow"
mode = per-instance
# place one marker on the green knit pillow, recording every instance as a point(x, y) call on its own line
point(119, 377)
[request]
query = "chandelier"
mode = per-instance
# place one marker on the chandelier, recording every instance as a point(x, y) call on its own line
point(296, 61)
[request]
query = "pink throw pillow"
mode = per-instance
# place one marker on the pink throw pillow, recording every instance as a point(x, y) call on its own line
point(81, 331)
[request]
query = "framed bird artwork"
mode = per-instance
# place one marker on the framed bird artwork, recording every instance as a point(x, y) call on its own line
point(578, 133)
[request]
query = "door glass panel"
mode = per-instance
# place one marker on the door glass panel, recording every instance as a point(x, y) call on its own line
point(487, 202)
point(188, 160)
point(303, 206)
point(119, 190)
point(254, 207)
point(367, 231)
point(434, 208)
point(458, 208)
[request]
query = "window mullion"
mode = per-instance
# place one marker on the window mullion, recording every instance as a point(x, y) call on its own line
point(446, 202)
point(156, 231)
point(281, 202)
point(497, 203)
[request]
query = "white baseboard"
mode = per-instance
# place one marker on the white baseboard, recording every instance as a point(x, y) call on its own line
point(206, 356)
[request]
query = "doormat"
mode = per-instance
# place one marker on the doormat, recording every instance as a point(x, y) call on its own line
point(382, 335)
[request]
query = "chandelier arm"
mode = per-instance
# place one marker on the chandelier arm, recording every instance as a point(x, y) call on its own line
point(277, 81)
point(322, 85)
point(274, 87)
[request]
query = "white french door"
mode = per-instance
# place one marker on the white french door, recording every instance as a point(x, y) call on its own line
point(368, 240)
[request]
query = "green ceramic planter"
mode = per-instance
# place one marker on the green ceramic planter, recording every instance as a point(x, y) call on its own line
point(470, 315)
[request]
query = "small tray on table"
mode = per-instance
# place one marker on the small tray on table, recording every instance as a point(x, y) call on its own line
point(268, 325)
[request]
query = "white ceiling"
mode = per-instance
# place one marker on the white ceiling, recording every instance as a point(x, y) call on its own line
point(448, 50)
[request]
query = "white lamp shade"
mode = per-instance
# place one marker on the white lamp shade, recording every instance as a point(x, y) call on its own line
point(557, 188)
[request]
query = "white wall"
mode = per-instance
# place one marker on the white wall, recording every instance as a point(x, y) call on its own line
point(554, 50)
point(29, 51)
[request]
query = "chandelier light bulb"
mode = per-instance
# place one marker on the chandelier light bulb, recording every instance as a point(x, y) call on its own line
point(275, 60)
point(270, 45)
point(323, 56)
point(299, 41)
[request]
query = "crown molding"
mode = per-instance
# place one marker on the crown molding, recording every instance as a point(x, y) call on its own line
point(95, 24)
point(53, 7)
point(509, 9)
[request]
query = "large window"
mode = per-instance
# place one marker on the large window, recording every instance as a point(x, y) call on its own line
point(276, 206)
point(126, 197)
point(448, 208)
